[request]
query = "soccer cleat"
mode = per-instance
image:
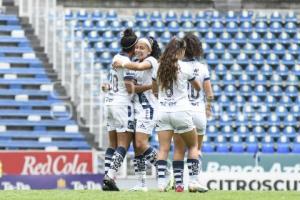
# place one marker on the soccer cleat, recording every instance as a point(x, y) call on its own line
point(110, 183)
point(179, 188)
point(197, 187)
point(139, 188)
point(104, 187)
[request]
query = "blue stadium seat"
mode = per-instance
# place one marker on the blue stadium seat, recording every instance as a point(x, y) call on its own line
point(272, 59)
point(232, 109)
point(201, 16)
point(291, 17)
point(296, 148)
point(273, 119)
point(144, 26)
point(276, 17)
point(255, 38)
point(292, 79)
point(207, 148)
point(114, 47)
point(116, 26)
point(249, 49)
point(166, 37)
point(141, 15)
point(96, 15)
point(217, 90)
point(231, 16)
point(227, 59)
point(281, 111)
point(260, 79)
point(284, 38)
point(186, 16)
point(229, 79)
point(188, 26)
point(290, 120)
point(246, 16)
point(245, 79)
point(211, 59)
point(252, 147)
point(212, 130)
point(296, 70)
point(242, 59)
point(279, 49)
point(291, 28)
point(241, 120)
point(283, 148)
point(219, 48)
point(275, 27)
point(155, 16)
point(202, 27)
point(217, 27)
point(294, 49)
point(102, 25)
point(292, 91)
point(225, 38)
point(232, 28)
point(239, 100)
point(159, 26)
point(173, 27)
point(261, 17)
point(216, 16)
point(260, 90)
point(248, 109)
point(171, 16)
point(264, 49)
point(276, 91)
point(257, 120)
point(222, 148)
point(266, 70)
point(258, 131)
point(236, 69)
point(237, 148)
point(264, 109)
point(267, 148)
point(224, 100)
point(257, 59)
point(243, 130)
point(230, 90)
point(288, 60)
point(111, 15)
point(206, 48)
point(270, 38)
point(234, 49)
point(296, 110)
point(226, 129)
point(246, 27)
point(210, 38)
point(220, 69)
point(245, 90)
point(82, 14)
point(261, 27)
point(240, 38)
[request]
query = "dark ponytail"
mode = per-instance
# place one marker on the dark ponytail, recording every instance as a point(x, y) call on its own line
point(128, 40)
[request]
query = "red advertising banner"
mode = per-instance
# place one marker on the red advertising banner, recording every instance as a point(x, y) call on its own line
point(46, 163)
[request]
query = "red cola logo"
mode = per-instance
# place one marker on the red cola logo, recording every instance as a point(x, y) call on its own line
point(58, 166)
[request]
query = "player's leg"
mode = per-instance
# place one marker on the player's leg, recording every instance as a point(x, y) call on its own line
point(178, 162)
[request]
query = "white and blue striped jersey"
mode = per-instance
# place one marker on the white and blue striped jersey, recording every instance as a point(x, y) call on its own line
point(145, 103)
point(175, 98)
point(118, 94)
point(202, 74)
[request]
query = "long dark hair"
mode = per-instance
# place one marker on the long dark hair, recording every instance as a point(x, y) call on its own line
point(168, 68)
point(128, 40)
point(193, 46)
point(156, 51)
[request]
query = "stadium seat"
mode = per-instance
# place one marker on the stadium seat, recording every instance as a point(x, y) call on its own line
point(173, 27)
point(246, 16)
point(240, 38)
point(217, 27)
point(292, 91)
point(272, 59)
point(186, 16)
point(141, 15)
point(231, 16)
point(291, 17)
point(207, 148)
point(96, 15)
point(258, 131)
point(188, 26)
point(227, 59)
point(222, 148)
point(276, 17)
point(296, 110)
point(283, 148)
point(257, 59)
point(225, 38)
point(202, 27)
point(232, 28)
point(296, 148)
point(284, 38)
point(249, 49)
point(267, 148)
point(291, 28)
point(260, 79)
point(219, 48)
point(269, 38)
point(236, 69)
point(294, 49)
point(211, 59)
point(237, 148)
point(266, 70)
point(243, 130)
point(155, 16)
point(234, 49)
point(276, 27)
point(246, 27)
point(288, 60)
point(111, 15)
point(279, 49)
point(261, 27)
point(255, 38)
point(245, 79)
point(252, 147)
point(171, 16)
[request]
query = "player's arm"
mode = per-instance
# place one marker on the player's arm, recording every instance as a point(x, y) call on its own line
point(154, 87)
point(132, 65)
point(209, 96)
point(105, 87)
point(196, 84)
point(142, 88)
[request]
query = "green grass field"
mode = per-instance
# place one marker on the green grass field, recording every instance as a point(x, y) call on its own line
point(98, 195)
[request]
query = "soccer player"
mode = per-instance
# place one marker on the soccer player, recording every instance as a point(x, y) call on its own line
point(147, 51)
point(120, 116)
point(174, 110)
point(201, 109)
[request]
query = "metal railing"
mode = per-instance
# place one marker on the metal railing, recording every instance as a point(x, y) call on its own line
point(74, 63)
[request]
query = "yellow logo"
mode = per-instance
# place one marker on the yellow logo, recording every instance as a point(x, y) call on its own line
point(61, 183)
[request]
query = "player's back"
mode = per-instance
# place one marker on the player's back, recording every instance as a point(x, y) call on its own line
point(118, 94)
point(175, 98)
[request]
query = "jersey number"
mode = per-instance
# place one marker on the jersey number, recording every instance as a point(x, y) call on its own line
point(194, 94)
point(115, 83)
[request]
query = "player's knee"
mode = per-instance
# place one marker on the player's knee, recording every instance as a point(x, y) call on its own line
point(140, 145)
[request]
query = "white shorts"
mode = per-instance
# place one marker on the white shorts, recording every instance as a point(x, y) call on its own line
point(199, 119)
point(120, 118)
point(179, 122)
point(145, 126)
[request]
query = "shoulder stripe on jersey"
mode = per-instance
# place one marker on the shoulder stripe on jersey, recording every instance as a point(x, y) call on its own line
point(154, 79)
point(192, 78)
point(206, 79)
point(128, 77)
